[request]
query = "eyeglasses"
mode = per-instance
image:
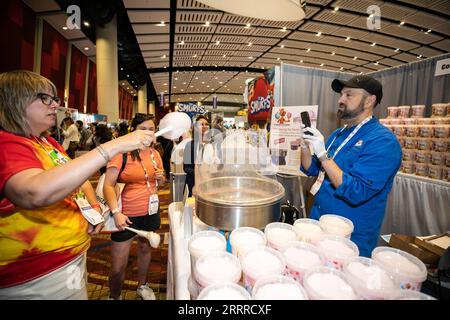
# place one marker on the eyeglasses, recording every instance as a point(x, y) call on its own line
point(48, 99)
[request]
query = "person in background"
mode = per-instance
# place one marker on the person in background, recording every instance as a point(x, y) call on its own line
point(85, 134)
point(357, 164)
point(122, 129)
point(43, 235)
point(71, 137)
point(140, 209)
point(193, 149)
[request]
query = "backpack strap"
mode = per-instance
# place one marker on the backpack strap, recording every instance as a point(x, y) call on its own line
point(124, 162)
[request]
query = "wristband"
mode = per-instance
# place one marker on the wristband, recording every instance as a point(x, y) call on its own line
point(113, 212)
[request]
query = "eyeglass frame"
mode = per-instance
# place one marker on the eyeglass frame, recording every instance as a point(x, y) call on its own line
point(42, 96)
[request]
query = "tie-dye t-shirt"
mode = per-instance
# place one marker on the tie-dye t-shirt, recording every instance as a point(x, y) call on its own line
point(35, 242)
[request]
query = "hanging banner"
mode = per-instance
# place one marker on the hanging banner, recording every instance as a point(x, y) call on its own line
point(285, 134)
point(262, 95)
point(192, 109)
point(161, 100)
point(214, 102)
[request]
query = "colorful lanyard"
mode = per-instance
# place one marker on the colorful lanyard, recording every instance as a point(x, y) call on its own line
point(351, 135)
point(56, 157)
point(147, 180)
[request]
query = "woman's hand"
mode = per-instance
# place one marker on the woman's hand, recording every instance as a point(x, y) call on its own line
point(121, 220)
point(160, 175)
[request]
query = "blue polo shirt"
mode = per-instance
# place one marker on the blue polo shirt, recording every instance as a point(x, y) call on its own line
point(369, 161)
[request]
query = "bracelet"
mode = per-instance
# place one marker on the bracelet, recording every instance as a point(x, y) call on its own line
point(113, 212)
point(103, 153)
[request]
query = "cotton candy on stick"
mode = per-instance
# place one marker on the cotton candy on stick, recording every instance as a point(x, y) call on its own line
point(151, 236)
point(173, 125)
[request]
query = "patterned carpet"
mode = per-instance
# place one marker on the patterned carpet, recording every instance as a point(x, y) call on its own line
point(99, 261)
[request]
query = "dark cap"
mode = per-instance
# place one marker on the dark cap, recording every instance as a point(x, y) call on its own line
point(367, 83)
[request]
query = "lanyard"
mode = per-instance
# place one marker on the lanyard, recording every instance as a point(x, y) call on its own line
point(57, 158)
point(147, 180)
point(351, 135)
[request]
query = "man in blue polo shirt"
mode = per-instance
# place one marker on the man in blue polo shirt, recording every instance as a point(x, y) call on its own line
point(357, 164)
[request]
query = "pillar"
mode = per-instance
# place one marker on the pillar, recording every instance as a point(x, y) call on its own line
point(142, 99)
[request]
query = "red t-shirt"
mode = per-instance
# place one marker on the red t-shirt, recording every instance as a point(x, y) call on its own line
point(35, 242)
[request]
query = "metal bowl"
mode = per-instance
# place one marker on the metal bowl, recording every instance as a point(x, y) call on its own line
point(228, 203)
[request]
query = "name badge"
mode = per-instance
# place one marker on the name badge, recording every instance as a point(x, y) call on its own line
point(153, 204)
point(90, 214)
point(316, 186)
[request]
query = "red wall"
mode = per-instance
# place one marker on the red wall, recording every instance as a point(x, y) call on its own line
point(78, 63)
point(92, 89)
point(125, 104)
point(54, 56)
point(17, 28)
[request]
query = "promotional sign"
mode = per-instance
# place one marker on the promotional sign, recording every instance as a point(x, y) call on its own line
point(261, 95)
point(285, 134)
point(192, 109)
point(214, 102)
point(442, 67)
point(161, 100)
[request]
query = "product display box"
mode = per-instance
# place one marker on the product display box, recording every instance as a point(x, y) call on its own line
point(413, 245)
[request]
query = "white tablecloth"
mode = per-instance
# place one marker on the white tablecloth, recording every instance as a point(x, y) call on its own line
point(417, 206)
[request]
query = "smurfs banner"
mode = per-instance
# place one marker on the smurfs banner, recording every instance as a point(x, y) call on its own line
point(192, 109)
point(262, 95)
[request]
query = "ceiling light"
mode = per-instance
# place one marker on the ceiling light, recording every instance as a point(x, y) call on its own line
point(184, 82)
point(248, 25)
point(220, 82)
point(128, 75)
point(250, 57)
point(376, 63)
point(165, 84)
point(336, 9)
point(308, 50)
point(163, 56)
point(429, 30)
point(321, 64)
point(196, 78)
point(419, 57)
point(65, 28)
point(174, 87)
point(224, 56)
point(86, 48)
point(283, 30)
point(225, 86)
point(361, 72)
point(176, 78)
point(165, 67)
point(354, 58)
point(86, 23)
point(121, 69)
point(347, 39)
point(282, 46)
point(301, 61)
point(203, 82)
point(191, 86)
point(250, 44)
point(373, 44)
point(342, 68)
point(217, 42)
point(162, 24)
point(402, 23)
point(207, 85)
point(286, 10)
point(333, 53)
point(397, 50)
point(182, 90)
point(182, 42)
point(206, 24)
point(278, 59)
point(194, 56)
point(319, 34)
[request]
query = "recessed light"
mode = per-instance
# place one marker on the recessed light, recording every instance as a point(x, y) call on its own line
point(165, 84)
point(248, 25)
point(342, 68)
point(301, 61)
point(128, 75)
point(429, 30)
point(397, 50)
point(354, 58)
point(65, 28)
point(86, 23)
point(278, 59)
point(121, 69)
point(321, 64)
point(224, 56)
point(163, 56)
point(282, 46)
point(347, 39)
point(206, 24)
point(376, 63)
point(336, 9)
point(184, 82)
point(162, 24)
point(361, 72)
point(250, 57)
point(250, 44)
point(182, 42)
point(194, 56)
point(217, 42)
point(319, 34)
point(308, 50)
point(333, 53)
point(284, 29)
point(419, 57)
point(402, 23)
point(373, 44)
point(86, 48)
point(176, 79)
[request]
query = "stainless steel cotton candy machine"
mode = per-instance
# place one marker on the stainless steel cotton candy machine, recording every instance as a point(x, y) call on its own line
point(237, 196)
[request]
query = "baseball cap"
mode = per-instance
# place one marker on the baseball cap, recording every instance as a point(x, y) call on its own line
point(367, 83)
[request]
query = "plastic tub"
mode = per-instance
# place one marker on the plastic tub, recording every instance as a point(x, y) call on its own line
point(421, 169)
point(224, 291)
point(424, 144)
point(441, 121)
point(423, 156)
point(426, 131)
point(260, 262)
point(308, 230)
point(411, 131)
point(409, 271)
point(278, 288)
point(410, 143)
point(438, 110)
point(440, 145)
point(336, 250)
point(245, 238)
point(435, 172)
point(409, 121)
point(412, 295)
point(441, 131)
point(204, 242)
point(407, 167)
point(403, 111)
point(417, 111)
point(424, 121)
point(278, 234)
point(301, 257)
point(438, 158)
point(399, 131)
point(408, 154)
point(217, 267)
point(392, 112)
point(336, 225)
point(369, 279)
point(328, 284)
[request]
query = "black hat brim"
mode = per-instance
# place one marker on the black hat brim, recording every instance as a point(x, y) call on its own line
point(338, 85)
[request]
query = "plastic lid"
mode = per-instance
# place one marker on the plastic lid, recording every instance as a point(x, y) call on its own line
point(278, 287)
point(262, 261)
point(247, 236)
point(302, 256)
point(217, 267)
point(326, 283)
point(279, 233)
point(224, 291)
point(206, 241)
point(240, 191)
point(337, 247)
point(400, 263)
point(404, 294)
point(338, 225)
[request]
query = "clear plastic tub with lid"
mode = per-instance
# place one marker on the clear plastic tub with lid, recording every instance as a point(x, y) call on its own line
point(308, 230)
point(301, 257)
point(278, 287)
point(412, 295)
point(409, 271)
point(336, 250)
point(224, 291)
point(336, 225)
point(278, 234)
point(245, 238)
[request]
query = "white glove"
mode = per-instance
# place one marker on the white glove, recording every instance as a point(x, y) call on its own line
point(316, 141)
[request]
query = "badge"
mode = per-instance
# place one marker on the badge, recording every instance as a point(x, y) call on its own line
point(90, 214)
point(153, 204)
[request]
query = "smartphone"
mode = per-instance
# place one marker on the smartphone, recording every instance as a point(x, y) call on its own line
point(306, 121)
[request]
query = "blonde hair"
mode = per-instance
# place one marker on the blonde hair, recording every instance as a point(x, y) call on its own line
point(18, 90)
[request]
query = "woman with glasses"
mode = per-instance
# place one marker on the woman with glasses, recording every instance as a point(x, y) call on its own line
point(43, 234)
point(142, 173)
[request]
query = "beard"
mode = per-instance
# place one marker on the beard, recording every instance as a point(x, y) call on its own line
point(345, 114)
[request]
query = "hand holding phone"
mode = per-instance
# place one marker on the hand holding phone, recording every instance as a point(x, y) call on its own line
point(306, 121)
